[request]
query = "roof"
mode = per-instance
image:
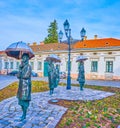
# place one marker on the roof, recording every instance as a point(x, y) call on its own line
point(2, 52)
point(49, 47)
point(93, 43)
point(97, 43)
point(72, 41)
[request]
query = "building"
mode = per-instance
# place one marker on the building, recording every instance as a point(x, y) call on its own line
point(103, 58)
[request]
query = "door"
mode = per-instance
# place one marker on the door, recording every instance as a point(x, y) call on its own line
point(45, 69)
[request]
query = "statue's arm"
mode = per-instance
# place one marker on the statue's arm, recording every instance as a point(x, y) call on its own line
point(19, 75)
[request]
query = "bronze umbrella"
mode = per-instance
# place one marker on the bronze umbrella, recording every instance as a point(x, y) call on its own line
point(53, 58)
point(81, 58)
point(17, 49)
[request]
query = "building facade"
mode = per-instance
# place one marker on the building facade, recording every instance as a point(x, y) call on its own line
point(103, 58)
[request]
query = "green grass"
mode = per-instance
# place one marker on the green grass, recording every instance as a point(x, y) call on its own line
point(11, 90)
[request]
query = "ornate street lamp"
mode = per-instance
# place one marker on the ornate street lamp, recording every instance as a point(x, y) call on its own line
point(60, 35)
point(82, 33)
point(68, 35)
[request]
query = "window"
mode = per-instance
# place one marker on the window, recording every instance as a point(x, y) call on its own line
point(11, 65)
point(109, 66)
point(39, 66)
point(67, 65)
point(17, 65)
point(6, 65)
point(94, 66)
point(32, 65)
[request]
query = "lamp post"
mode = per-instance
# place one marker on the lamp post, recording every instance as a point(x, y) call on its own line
point(68, 35)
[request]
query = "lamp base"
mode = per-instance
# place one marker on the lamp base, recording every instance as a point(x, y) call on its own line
point(68, 83)
point(54, 100)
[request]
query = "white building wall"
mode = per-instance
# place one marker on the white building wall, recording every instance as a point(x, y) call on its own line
point(42, 65)
point(74, 65)
point(63, 63)
point(0, 64)
point(35, 63)
point(2, 61)
point(116, 65)
point(101, 65)
point(14, 64)
point(87, 66)
point(87, 63)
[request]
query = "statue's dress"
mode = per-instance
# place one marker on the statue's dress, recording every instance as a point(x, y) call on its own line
point(24, 89)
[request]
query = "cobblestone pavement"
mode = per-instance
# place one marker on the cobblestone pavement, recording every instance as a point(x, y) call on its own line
point(40, 113)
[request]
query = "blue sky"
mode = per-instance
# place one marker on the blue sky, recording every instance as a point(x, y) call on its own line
point(28, 20)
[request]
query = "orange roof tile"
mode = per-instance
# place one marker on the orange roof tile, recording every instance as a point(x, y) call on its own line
point(97, 43)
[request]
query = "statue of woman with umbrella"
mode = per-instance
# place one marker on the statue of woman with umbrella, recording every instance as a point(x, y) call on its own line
point(20, 50)
point(57, 73)
point(81, 74)
point(52, 71)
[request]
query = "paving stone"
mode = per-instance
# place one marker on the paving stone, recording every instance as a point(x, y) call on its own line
point(1, 126)
point(35, 121)
point(8, 126)
point(36, 126)
point(28, 125)
point(20, 125)
point(118, 126)
point(4, 122)
point(42, 125)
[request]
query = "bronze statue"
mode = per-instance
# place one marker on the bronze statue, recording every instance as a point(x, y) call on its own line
point(51, 76)
point(24, 89)
point(81, 75)
point(57, 75)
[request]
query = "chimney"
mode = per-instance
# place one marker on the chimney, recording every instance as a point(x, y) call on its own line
point(34, 43)
point(41, 43)
point(95, 37)
point(85, 37)
point(28, 44)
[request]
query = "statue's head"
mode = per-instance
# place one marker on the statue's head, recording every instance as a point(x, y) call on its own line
point(50, 61)
point(81, 63)
point(25, 58)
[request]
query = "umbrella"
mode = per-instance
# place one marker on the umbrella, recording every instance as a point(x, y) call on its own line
point(53, 58)
point(17, 49)
point(81, 58)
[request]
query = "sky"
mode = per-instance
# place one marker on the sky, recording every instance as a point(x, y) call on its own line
point(28, 20)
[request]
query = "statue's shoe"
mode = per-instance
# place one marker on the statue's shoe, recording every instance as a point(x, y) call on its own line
point(81, 89)
point(22, 118)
